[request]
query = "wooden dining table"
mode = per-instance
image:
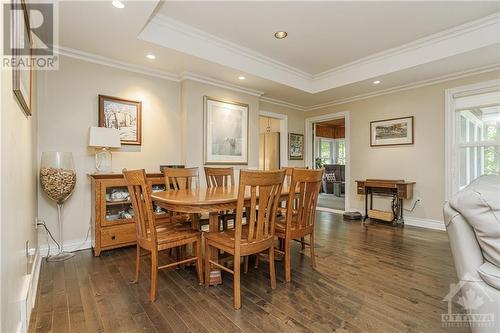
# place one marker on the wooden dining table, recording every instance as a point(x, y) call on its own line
point(213, 201)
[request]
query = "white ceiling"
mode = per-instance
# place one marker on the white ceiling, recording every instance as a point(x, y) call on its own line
point(324, 35)
point(102, 33)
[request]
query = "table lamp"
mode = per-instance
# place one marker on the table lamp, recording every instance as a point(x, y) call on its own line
point(103, 138)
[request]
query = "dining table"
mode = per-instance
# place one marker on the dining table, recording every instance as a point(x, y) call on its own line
point(211, 200)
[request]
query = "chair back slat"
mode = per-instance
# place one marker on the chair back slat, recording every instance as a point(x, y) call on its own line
point(140, 196)
point(267, 185)
point(304, 199)
point(219, 177)
point(181, 178)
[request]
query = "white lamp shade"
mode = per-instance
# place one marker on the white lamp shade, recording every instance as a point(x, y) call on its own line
point(104, 137)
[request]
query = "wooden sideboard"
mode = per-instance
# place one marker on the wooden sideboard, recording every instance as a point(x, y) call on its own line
point(113, 223)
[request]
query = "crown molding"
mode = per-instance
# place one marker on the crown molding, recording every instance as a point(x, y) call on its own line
point(97, 59)
point(283, 103)
point(167, 32)
point(219, 83)
point(413, 85)
point(179, 36)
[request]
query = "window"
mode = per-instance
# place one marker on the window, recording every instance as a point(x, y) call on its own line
point(332, 151)
point(476, 145)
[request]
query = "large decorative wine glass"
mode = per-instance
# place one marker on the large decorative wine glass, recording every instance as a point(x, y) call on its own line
point(58, 179)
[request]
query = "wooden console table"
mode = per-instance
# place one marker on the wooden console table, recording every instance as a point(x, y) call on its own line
point(397, 189)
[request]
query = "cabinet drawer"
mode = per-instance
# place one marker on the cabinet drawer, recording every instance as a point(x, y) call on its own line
point(118, 234)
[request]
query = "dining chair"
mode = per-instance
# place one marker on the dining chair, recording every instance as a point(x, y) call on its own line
point(260, 189)
point(181, 178)
point(153, 238)
point(300, 214)
point(221, 177)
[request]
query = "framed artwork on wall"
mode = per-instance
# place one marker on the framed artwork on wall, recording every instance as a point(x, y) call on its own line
point(295, 146)
point(124, 115)
point(392, 132)
point(225, 139)
point(22, 53)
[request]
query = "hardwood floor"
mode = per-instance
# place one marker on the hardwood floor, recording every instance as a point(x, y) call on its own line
point(369, 279)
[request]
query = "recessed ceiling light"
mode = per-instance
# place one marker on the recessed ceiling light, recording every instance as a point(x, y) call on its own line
point(118, 4)
point(241, 77)
point(151, 56)
point(280, 34)
point(376, 82)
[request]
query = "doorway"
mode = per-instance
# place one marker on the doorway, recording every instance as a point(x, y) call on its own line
point(327, 146)
point(272, 140)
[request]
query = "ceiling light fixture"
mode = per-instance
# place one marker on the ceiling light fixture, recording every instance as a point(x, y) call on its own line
point(118, 4)
point(280, 34)
point(241, 77)
point(151, 56)
point(376, 82)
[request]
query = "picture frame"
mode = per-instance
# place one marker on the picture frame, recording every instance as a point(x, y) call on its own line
point(225, 137)
point(392, 132)
point(124, 115)
point(295, 146)
point(22, 78)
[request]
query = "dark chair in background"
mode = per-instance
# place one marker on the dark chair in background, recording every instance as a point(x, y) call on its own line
point(334, 179)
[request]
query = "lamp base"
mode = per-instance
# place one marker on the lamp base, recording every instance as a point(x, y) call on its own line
point(103, 161)
point(61, 256)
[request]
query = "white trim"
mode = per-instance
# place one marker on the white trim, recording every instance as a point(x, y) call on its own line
point(173, 34)
point(283, 134)
point(425, 223)
point(167, 32)
point(97, 59)
point(29, 292)
point(308, 144)
point(283, 103)
point(68, 247)
point(450, 170)
point(219, 83)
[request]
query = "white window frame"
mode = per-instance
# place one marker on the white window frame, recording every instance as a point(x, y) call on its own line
point(452, 130)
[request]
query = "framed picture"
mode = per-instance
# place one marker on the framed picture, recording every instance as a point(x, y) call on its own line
point(226, 132)
point(295, 146)
point(21, 38)
point(124, 115)
point(391, 132)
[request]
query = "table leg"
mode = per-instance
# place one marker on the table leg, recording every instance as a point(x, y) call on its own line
point(366, 205)
point(213, 226)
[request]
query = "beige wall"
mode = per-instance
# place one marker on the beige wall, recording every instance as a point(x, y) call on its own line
point(192, 103)
point(295, 123)
point(69, 106)
point(18, 184)
point(422, 162)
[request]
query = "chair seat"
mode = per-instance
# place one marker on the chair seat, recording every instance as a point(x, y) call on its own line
point(169, 233)
point(226, 237)
point(280, 225)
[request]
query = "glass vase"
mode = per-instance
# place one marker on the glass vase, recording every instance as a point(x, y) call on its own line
point(58, 180)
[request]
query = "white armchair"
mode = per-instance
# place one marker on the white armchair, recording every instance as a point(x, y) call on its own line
point(472, 219)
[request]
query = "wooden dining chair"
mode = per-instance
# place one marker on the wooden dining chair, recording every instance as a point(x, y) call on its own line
point(153, 238)
point(300, 214)
point(181, 178)
point(221, 177)
point(263, 188)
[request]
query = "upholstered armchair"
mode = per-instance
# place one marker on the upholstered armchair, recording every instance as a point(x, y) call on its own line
point(334, 179)
point(472, 219)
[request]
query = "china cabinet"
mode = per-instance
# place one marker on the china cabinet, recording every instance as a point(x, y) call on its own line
point(113, 223)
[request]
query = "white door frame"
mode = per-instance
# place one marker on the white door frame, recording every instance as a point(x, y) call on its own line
point(451, 170)
point(283, 134)
point(308, 145)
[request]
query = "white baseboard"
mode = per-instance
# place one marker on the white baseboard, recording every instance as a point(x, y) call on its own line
point(68, 247)
point(29, 292)
point(417, 222)
point(425, 223)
